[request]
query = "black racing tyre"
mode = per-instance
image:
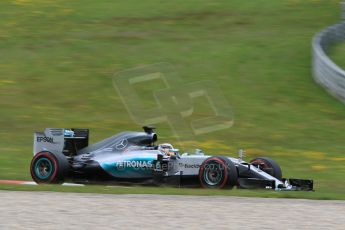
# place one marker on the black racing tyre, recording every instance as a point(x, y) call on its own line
point(49, 168)
point(218, 172)
point(268, 165)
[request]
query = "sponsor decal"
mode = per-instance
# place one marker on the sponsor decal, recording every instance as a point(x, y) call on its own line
point(45, 139)
point(134, 164)
point(189, 166)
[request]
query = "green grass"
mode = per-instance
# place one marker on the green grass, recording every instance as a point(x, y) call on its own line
point(58, 59)
point(337, 54)
point(318, 195)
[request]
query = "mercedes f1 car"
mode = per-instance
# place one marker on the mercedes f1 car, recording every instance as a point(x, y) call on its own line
point(133, 157)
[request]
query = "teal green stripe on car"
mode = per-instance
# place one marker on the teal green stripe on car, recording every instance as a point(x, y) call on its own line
point(130, 168)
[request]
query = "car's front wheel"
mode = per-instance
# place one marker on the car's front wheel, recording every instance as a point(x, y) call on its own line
point(47, 167)
point(268, 165)
point(218, 172)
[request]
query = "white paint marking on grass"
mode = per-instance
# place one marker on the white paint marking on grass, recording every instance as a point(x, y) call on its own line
point(29, 183)
point(33, 183)
point(72, 184)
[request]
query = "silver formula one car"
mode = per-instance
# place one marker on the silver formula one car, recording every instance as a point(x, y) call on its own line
point(132, 157)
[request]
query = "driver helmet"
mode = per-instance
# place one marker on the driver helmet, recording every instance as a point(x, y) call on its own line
point(166, 148)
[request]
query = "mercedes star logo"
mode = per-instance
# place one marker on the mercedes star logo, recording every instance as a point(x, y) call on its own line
point(122, 144)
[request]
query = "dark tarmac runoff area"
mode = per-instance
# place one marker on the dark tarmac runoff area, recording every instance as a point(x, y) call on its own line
point(53, 210)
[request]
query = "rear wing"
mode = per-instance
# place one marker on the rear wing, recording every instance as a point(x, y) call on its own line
point(66, 141)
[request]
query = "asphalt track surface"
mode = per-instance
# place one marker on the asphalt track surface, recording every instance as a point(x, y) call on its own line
point(52, 210)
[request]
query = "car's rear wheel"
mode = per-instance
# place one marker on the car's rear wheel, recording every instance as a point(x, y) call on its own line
point(218, 172)
point(268, 165)
point(47, 167)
